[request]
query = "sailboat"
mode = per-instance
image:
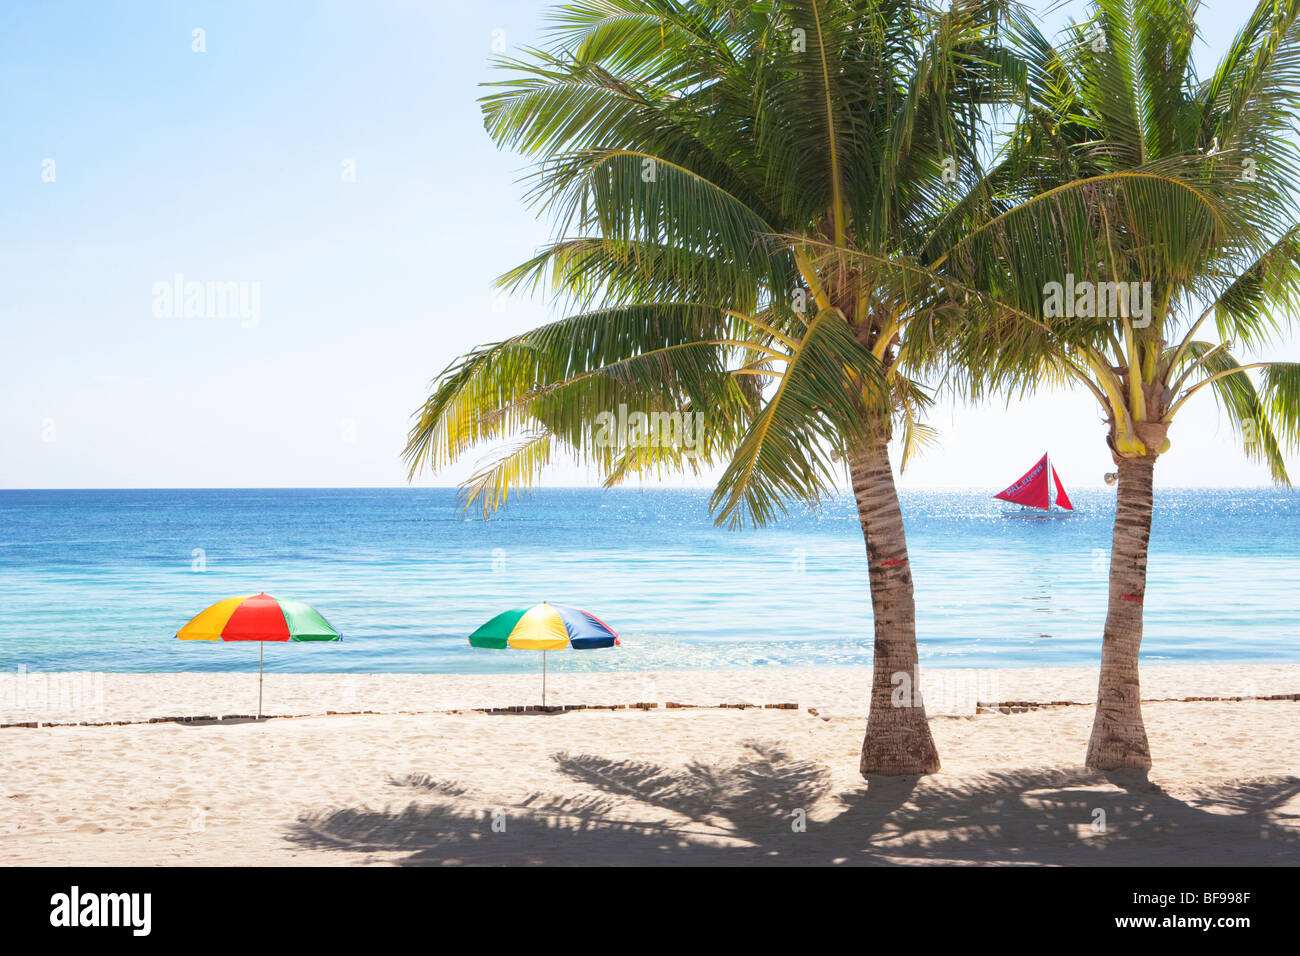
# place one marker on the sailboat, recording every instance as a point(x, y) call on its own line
point(1040, 487)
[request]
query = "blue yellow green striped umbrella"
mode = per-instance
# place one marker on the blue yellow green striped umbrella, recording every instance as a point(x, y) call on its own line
point(545, 627)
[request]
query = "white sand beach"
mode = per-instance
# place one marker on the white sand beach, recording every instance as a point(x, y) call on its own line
point(408, 771)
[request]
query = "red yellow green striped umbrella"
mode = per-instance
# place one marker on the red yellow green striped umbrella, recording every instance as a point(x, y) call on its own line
point(261, 618)
point(545, 627)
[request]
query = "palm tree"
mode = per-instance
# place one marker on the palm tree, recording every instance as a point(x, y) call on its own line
point(699, 158)
point(1139, 228)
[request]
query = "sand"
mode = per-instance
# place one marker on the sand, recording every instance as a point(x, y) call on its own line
point(414, 783)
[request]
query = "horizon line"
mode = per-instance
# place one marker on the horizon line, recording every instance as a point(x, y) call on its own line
point(409, 487)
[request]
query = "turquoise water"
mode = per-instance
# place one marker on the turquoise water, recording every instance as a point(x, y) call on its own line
point(101, 580)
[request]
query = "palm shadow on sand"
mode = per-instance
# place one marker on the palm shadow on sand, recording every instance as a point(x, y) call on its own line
point(744, 814)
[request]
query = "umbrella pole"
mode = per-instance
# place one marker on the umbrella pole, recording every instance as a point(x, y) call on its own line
point(261, 650)
point(543, 678)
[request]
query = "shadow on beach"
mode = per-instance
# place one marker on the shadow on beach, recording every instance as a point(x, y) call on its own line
point(743, 814)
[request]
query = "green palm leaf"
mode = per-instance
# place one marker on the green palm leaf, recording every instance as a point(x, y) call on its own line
point(820, 408)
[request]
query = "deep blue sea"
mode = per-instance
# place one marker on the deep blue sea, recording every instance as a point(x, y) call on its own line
point(102, 580)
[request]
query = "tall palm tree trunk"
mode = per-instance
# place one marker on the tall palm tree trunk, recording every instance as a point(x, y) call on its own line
point(1119, 738)
point(898, 737)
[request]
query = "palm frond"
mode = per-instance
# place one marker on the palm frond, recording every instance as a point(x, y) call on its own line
point(515, 471)
point(820, 408)
point(1252, 416)
point(567, 372)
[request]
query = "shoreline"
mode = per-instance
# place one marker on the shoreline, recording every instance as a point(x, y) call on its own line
point(95, 698)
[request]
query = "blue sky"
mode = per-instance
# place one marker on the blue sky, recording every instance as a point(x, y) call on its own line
point(229, 165)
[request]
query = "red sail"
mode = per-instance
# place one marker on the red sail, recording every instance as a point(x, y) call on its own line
point(1031, 490)
point(1062, 498)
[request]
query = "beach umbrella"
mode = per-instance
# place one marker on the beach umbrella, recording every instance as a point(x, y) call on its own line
point(545, 627)
point(261, 618)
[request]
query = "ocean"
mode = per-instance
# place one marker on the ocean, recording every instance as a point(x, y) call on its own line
point(102, 580)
